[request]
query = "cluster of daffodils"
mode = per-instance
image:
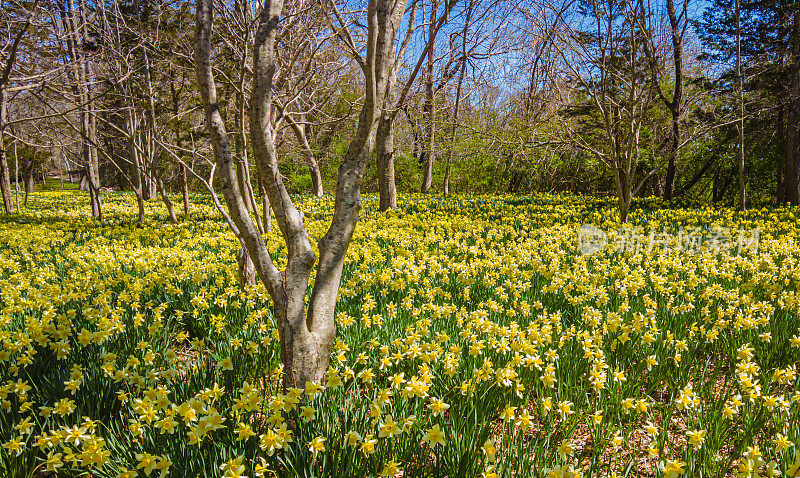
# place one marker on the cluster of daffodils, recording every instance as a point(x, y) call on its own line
point(473, 339)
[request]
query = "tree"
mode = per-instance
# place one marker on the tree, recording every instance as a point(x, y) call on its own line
point(608, 62)
point(791, 171)
point(678, 24)
point(306, 332)
point(9, 50)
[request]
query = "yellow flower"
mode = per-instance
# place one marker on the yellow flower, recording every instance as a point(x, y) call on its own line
point(353, 438)
point(434, 436)
point(508, 413)
point(15, 446)
point(226, 364)
point(243, 432)
point(781, 442)
point(390, 469)
point(368, 446)
point(696, 437)
point(316, 445)
point(489, 450)
point(438, 407)
point(389, 428)
point(146, 462)
point(673, 469)
point(566, 449)
point(233, 468)
point(307, 413)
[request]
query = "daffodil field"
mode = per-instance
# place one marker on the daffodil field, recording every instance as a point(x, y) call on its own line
point(473, 339)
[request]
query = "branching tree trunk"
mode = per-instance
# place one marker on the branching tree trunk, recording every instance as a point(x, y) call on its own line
point(306, 333)
point(74, 21)
point(5, 177)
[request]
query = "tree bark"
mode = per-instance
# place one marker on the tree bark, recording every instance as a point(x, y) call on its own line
point(308, 153)
point(5, 75)
point(75, 24)
point(429, 108)
point(675, 105)
point(185, 190)
point(247, 270)
point(16, 177)
point(791, 172)
point(5, 173)
point(306, 334)
point(740, 98)
point(387, 187)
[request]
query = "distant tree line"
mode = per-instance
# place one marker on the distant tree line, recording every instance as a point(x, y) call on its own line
point(676, 99)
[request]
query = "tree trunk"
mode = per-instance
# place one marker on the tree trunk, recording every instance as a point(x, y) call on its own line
point(308, 153)
point(75, 24)
point(185, 189)
point(93, 159)
point(675, 105)
point(167, 202)
point(5, 180)
point(247, 270)
point(5, 174)
point(791, 172)
point(16, 177)
point(740, 94)
point(137, 191)
point(385, 163)
point(29, 182)
point(429, 107)
point(9, 55)
point(306, 334)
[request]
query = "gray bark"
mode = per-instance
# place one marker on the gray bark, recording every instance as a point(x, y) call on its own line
point(429, 108)
point(308, 154)
point(385, 163)
point(306, 333)
point(5, 176)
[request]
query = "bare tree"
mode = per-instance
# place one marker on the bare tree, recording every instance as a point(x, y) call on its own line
point(306, 333)
point(8, 54)
point(678, 25)
point(608, 61)
point(80, 45)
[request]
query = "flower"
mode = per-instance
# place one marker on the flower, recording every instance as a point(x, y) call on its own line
point(508, 413)
point(368, 446)
point(566, 449)
point(390, 469)
point(438, 407)
point(434, 436)
point(233, 468)
point(673, 469)
point(226, 364)
point(696, 437)
point(316, 445)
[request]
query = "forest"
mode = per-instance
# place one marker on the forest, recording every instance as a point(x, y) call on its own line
point(399, 238)
point(681, 100)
